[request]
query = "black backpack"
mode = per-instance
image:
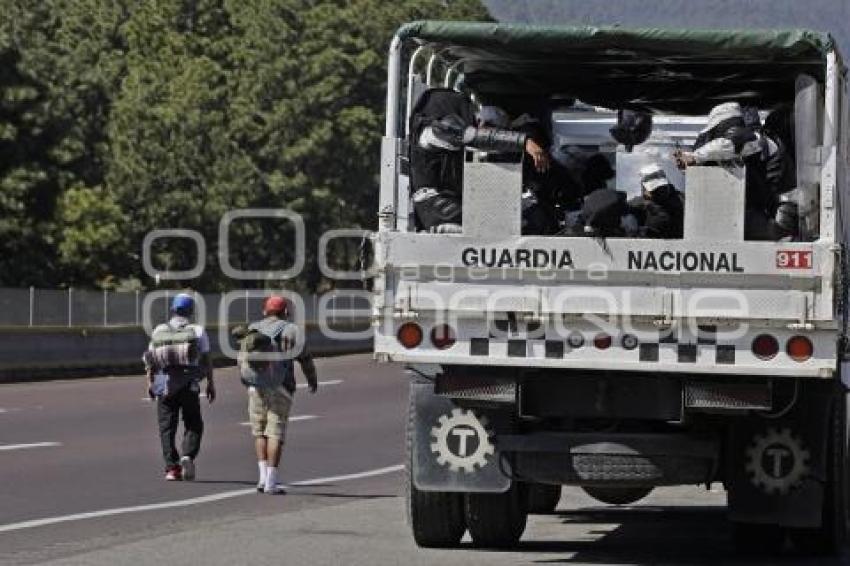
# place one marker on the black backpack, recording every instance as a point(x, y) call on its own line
point(602, 211)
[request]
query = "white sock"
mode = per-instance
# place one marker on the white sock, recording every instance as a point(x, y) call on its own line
point(271, 477)
point(262, 466)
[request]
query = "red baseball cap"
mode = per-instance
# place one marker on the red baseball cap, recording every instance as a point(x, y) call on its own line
point(275, 305)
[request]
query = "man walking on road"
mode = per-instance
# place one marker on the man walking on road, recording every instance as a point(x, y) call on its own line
point(178, 357)
point(267, 369)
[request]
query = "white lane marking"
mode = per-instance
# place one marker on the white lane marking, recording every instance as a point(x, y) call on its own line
point(321, 383)
point(31, 445)
point(366, 474)
point(2, 411)
point(185, 502)
point(303, 418)
point(292, 419)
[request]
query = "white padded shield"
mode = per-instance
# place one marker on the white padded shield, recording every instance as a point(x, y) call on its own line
point(714, 205)
point(491, 199)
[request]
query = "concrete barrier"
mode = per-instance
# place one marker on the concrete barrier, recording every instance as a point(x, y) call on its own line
point(29, 354)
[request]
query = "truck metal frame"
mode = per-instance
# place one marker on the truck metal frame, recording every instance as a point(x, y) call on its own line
point(623, 364)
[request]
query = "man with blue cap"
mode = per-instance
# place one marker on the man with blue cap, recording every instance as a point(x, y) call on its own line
point(178, 358)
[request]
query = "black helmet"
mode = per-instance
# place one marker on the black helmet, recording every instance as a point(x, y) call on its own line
point(597, 171)
point(751, 117)
point(633, 128)
point(787, 217)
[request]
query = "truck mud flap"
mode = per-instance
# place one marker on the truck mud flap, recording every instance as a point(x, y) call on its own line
point(452, 446)
point(776, 468)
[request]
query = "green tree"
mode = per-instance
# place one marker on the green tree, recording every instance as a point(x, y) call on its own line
point(271, 104)
point(61, 61)
point(118, 117)
point(92, 234)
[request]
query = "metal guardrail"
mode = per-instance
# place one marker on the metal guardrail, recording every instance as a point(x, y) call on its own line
point(33, 307)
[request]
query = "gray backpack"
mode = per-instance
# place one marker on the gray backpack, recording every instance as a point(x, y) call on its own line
point(175, 354)
point(259, 371)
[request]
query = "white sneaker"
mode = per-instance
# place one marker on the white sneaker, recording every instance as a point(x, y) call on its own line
point(275, 489)
point(187, 465)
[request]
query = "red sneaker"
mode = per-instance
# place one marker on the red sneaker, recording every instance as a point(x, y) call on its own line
point(174, 473)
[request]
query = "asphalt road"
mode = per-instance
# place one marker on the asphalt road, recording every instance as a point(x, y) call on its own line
point(81, 483)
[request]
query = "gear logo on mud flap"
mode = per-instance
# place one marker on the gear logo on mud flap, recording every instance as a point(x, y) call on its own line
point(777, 461)
point(462, 441)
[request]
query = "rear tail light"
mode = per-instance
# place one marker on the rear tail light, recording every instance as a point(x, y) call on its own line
point(765, 346)
point(410, 335)
point(602, 341)
point(443, 336)
point(799, 348)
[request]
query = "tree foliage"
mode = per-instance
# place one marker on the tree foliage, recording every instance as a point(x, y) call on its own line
point(118, 117)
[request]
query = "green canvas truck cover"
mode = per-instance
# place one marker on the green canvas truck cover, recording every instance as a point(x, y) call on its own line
point(674, 70)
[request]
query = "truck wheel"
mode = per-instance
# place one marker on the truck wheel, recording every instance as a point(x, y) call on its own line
point(497, 520)
point(831, 537)
point(543, 498)
point(617, 495)
point(435, 517)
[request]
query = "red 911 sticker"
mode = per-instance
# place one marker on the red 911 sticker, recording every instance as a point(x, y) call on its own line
point(793, 259)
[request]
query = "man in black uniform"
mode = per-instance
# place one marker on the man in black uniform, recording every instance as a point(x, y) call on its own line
point(548, 192)
point(728, 138)
point(660, 209)
point(442, 124)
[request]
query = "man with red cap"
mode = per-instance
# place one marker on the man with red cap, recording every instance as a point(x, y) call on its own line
point(271, 384)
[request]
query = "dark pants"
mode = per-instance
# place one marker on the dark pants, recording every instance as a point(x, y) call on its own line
point(168, 412)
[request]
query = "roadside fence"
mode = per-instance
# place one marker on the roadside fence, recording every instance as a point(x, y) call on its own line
point(33, 307)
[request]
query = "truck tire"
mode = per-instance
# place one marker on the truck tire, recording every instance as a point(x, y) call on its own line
point(435, 517)
point(831, 536)
point(617, 495)
point(543, 498)
point(497, 520)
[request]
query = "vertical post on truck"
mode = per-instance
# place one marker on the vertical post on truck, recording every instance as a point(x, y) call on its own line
point(410, 83)
point(393, 85)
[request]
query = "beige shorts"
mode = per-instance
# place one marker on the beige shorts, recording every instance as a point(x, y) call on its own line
point(268, 411)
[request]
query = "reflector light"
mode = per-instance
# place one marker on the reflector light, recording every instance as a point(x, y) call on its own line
point(602, 341)
point(799, 348)
point(443, 336)
point(410, 335)
point(765, 346)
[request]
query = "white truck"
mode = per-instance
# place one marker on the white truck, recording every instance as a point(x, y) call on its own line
point(621, 364)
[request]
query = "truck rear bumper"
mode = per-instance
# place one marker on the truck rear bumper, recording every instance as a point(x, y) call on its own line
point(622, 346)
point(612, 363)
